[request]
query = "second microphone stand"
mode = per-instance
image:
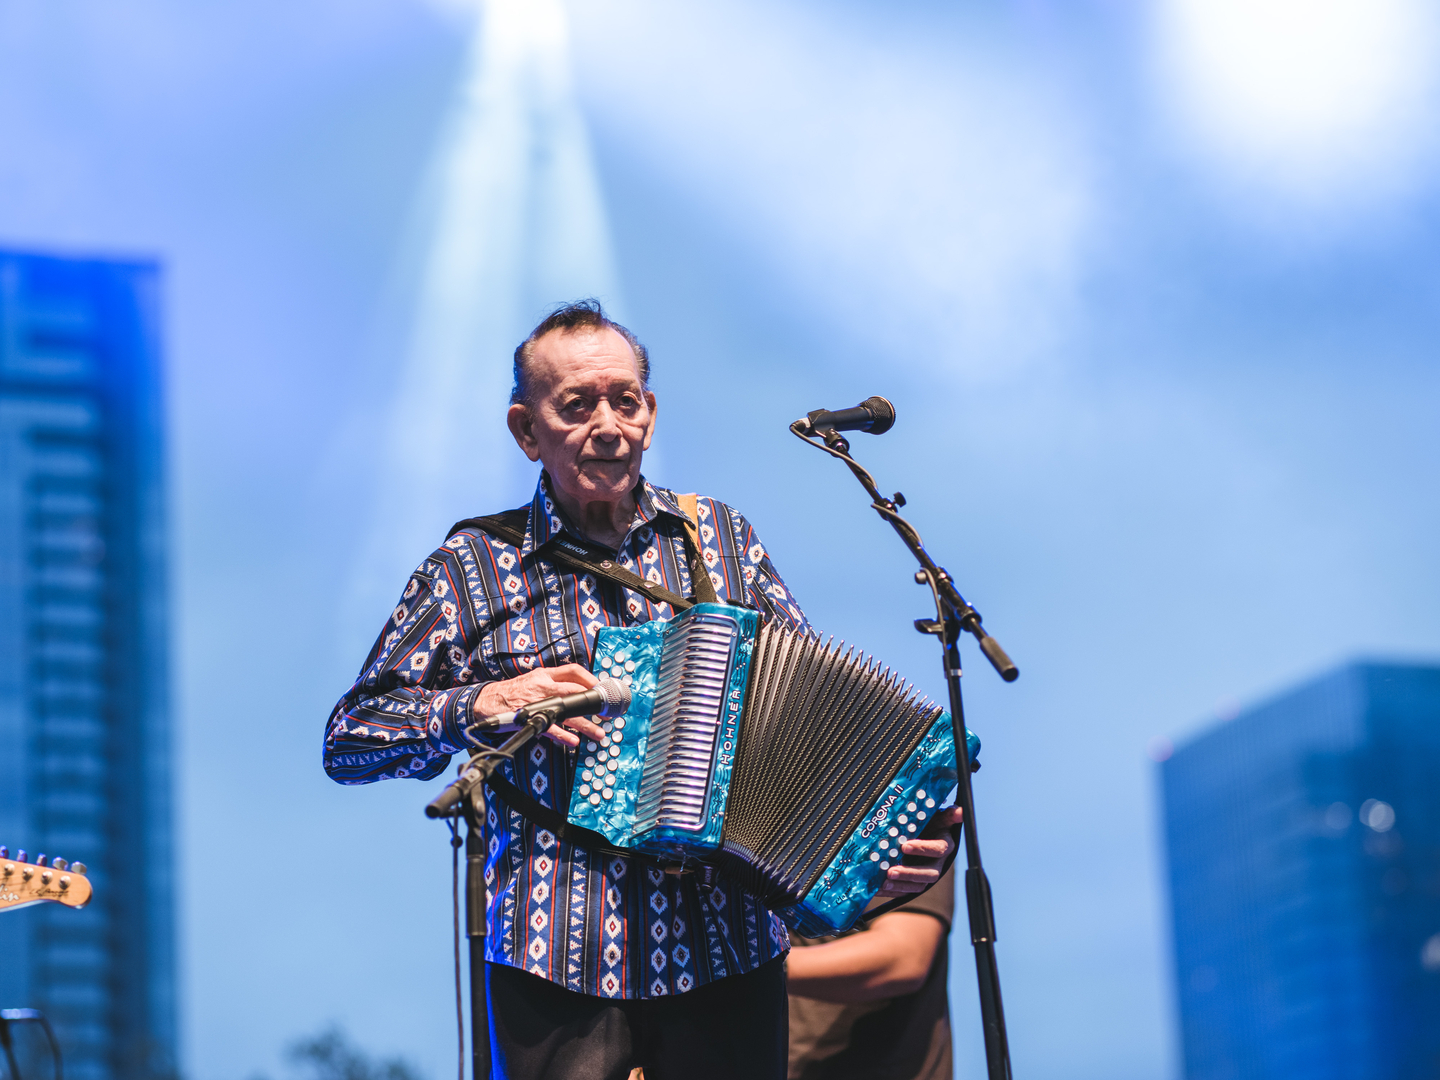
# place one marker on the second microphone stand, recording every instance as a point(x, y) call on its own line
point(466, 796)
point(953, 617)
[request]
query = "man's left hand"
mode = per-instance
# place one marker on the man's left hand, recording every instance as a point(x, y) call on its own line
point(908, 880)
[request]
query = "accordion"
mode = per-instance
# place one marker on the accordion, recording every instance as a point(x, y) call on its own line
point(793, 765)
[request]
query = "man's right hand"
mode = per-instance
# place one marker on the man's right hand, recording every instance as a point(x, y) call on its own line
point(509, 694)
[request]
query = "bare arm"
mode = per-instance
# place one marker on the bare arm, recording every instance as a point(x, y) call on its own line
point(888, 960)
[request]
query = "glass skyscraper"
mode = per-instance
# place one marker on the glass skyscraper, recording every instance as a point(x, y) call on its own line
point(84, 718)
point(1304, 856)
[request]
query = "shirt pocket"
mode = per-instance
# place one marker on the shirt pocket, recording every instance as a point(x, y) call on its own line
point(511, 658)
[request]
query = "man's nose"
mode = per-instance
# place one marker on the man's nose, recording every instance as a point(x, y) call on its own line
point(606, 424)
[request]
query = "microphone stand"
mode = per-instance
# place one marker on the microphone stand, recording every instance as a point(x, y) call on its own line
point(953, 617)
point(466, 796)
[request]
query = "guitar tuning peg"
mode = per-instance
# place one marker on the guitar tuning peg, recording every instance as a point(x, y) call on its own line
point(40, 859)
point(77, 868)
point(20, 855)
point(4, 852)
point(59, 863)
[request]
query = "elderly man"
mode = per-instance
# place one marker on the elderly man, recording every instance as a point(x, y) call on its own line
point(597, 965)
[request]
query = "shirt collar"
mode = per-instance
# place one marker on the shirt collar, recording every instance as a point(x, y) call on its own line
point(545, 515)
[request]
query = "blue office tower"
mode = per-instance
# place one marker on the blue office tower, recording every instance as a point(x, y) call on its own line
point(1304, 852)
point(84, 725)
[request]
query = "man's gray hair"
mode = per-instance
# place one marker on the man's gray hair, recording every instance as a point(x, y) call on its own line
point(582, 314)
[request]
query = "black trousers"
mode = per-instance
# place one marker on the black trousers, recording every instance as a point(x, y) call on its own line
point(733, 1028)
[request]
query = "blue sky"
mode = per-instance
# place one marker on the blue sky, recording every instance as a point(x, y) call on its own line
point(1153, 287)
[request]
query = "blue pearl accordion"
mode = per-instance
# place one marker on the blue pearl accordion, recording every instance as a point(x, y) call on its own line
point(790, 764)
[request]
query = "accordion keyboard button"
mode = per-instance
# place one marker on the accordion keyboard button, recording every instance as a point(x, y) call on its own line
point(595, 800)
point(585, 788)
point(608, 793)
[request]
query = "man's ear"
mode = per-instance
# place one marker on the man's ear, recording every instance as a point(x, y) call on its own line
point(522, 426)
point(650, 427)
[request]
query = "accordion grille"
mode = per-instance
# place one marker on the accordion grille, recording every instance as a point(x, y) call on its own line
point(684, 724)
point(824, 731)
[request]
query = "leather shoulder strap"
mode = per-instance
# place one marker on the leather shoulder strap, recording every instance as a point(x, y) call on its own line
point(510, 527)
point(699, 576)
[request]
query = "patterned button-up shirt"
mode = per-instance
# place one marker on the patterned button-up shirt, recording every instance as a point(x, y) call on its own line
point(480, 609)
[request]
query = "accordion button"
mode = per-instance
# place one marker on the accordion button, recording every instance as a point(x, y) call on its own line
point(612, 765)
point(594, 800)
point(605, 741)
point(626, 679)
point(929, 802)
point(910, 827)
point(629, 665)
point(894, 831)
point(608, 792)
point(902, 818)
point(591, 747)
point(874, 856)
point(590, 761)
point(619, 723)
point(919, 815)
point(614, 751)
point(617, 738)
point(885, 865)
point(621, 657)
point(910, 807)
point(920, 794)
point(585, 776)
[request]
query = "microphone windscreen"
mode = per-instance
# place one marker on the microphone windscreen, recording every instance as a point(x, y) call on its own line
point(883, 412)
point(616, 695)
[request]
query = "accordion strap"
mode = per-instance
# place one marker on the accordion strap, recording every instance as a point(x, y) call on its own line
point(699, 575)
point(561, 548)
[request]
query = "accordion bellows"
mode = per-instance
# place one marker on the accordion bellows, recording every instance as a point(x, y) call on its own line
point(795, 766)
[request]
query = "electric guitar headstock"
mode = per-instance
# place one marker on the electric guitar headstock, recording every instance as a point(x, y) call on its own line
point(24, 883)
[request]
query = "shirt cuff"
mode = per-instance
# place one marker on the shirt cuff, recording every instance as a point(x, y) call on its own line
point(449, 713)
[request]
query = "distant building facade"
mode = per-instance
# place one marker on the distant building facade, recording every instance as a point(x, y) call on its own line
point(1304, 856)
point(84, 715)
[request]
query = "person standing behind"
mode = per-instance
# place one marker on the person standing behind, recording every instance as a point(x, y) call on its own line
point(872, 1004)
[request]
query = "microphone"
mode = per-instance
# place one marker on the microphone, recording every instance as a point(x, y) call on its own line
point(874, 414)
point(609, 697)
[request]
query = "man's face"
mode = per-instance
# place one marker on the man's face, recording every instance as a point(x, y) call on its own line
point(589, 420)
